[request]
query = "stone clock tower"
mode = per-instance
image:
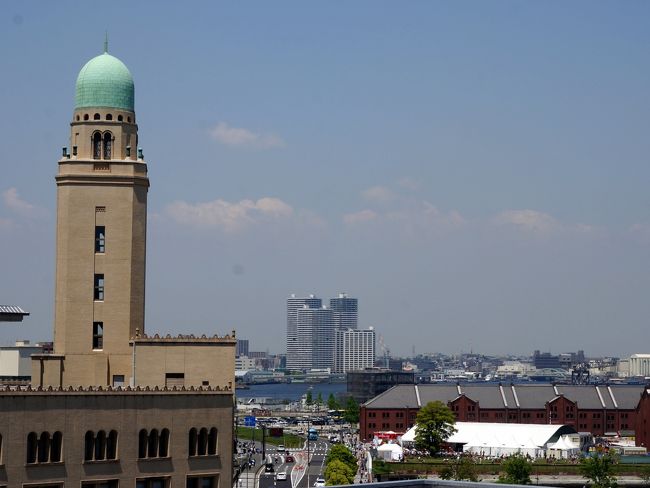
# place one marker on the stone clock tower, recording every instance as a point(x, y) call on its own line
point(102, 189)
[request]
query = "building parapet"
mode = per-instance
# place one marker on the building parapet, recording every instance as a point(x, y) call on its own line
point(183, 338)
point(9, 389)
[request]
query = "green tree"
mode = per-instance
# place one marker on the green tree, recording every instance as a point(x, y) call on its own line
point(435, 424)
point(460, 468)
point(598, 470)
point(351, 414)
point(517, 470)
point(319, 399)
point(338, 473)
point(332, 402)
point(309, 399)
point(339, 452)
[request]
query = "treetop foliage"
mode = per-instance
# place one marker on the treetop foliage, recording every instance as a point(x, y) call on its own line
point(435, 424)
point(517, 470)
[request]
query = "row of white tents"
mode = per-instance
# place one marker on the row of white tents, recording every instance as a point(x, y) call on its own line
point(497, 439)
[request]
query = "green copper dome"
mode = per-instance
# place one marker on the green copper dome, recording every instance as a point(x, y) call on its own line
point(104, 81)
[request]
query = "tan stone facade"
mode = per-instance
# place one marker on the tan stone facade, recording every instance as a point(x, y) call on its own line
point(83, 437)
point(100, 284)
point(112, 406)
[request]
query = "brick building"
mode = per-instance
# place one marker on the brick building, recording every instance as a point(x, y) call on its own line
point(601, 410)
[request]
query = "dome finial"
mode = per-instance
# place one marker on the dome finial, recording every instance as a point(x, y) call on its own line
point(106, 43)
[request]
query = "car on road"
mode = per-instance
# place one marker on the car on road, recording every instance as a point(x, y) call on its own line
point(320, 481)
point(289, 459)
point(280, 448)
point(281, 476)
point(269, 468)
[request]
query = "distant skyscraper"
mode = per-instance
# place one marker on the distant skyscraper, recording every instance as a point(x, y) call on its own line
point(293, 304)
point(242, 347)
point(354, 350)
point(345, 311)
point(311, 329)
point(314, 338)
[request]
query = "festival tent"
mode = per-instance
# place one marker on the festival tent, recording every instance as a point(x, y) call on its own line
point(390, 452)
point(497, 439)
point(563, 448)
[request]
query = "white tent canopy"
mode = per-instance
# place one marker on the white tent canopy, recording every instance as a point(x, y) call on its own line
point(496, 439)
point(390, 452)
point(563, 448)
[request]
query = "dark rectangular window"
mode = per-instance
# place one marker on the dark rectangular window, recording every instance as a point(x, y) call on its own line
point(99, 287)
point(99, 484)
point(174, 379)
point(98, 335)
point(152, 483)
point(202, 482)
point(100, 239)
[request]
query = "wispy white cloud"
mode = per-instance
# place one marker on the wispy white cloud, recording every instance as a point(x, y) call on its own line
point(21, 207)
point(427, 215)
point(416, 217)
point(239, 136)
point(359, 217)
point(15, 203)
point(541, 223)
point(378, 194)
point(528, 220)
point(229, 216)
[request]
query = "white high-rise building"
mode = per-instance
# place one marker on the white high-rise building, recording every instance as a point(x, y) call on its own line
point(311, 331)
point(354, 349)
point(293, 304)
point(314, 338)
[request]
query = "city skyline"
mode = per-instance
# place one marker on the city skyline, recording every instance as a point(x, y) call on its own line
point(469, 174)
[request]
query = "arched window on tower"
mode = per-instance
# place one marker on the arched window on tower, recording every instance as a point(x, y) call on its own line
point(89, 445)
point(108, 143)
point(111, 445)
point(100, 446)
point(32, 447)
point(152, 448)
point(96, 117)
point(193, 441)
point(212, 442)
point(44, 448)
point(143, 439)
point(97, 145)
point(56, 447)
point(203, 442)
point(164, 443)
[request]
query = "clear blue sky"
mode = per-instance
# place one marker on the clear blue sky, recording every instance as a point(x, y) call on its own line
point(476, 173)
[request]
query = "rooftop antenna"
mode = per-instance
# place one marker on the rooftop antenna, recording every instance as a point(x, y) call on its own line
point(106, 43)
